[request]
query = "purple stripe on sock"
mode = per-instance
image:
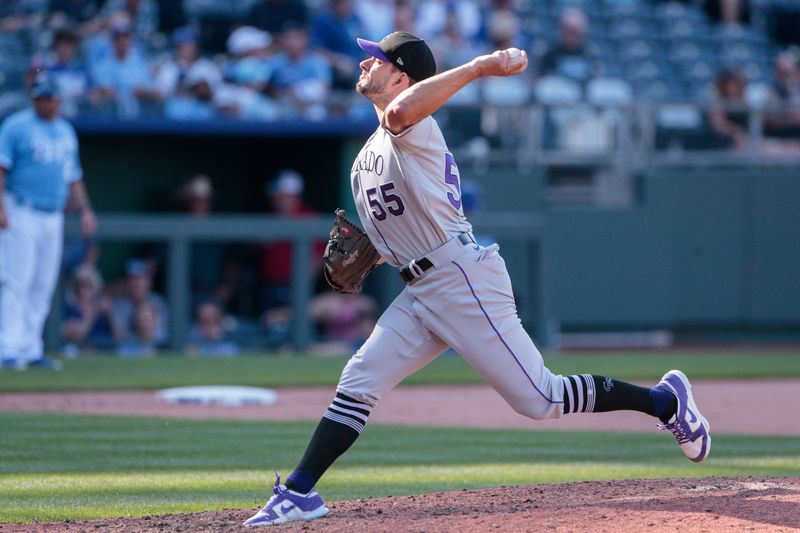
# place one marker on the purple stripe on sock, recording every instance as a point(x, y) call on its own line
point(501, 337)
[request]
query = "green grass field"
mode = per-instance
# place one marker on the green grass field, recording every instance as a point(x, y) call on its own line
point(108, 373)
point(56, 467)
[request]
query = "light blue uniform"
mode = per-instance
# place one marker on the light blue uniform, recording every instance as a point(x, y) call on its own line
point(41, 160)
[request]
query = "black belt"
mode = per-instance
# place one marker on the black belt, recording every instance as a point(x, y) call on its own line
point(424, 263)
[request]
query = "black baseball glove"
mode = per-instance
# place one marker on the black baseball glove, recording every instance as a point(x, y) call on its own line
point(349, 256)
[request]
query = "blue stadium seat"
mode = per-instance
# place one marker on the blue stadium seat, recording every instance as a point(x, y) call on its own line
point(609, 92)
point(659, 90)
point(556, 90)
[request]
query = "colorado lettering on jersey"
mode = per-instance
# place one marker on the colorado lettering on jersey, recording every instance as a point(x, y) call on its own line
point(369, 162)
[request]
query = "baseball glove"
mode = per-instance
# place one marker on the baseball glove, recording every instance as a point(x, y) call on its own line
point(349, 256)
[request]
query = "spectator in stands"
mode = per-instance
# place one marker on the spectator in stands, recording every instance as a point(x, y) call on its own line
point(248, 74)
point(569, 58)
point(344, 321)
point(728, 11)
point(79, 14)
point(433, 15)
point(333, 33)
point(504, 32)
point(728, 115)
point(404, 19)
point(215, 271)
point(142, 339)
point(285, 195)
point(272, 15)
point(86, 313)
point(245, 103)
point(171, 76)
point(196, 100)
point(68, 71)
point(248, 46)
point(377, 17)
point(20, 14)
point(207, 337)
point(782, 118)
point(301, 78)
point(452, 48)
point(143, 15)
point(138, 291)
point(122, 77)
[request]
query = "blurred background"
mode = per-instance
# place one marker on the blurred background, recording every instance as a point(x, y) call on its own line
point(642, 177)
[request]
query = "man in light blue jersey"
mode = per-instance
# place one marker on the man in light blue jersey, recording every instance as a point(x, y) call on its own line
point(39, 170)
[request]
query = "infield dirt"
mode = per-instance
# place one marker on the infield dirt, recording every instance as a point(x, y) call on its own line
point(690, 505)
point(686, 505)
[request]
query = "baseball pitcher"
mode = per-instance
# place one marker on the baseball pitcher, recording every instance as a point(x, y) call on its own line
point(406, 187)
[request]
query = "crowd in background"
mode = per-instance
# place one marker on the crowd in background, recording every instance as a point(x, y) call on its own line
point(241, 295)
point(279, 59)
point(284, 59)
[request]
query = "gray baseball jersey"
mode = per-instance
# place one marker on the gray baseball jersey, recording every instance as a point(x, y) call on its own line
point(406, 189)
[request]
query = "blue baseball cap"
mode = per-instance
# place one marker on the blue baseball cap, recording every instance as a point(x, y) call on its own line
point(184, 35)
point(136, 267)
point(121, 27)
point(45, 86)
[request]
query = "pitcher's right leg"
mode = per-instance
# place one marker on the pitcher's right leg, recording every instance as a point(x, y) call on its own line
point(398, 346)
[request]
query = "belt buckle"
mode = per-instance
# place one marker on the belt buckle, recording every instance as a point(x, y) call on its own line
point(414, 269)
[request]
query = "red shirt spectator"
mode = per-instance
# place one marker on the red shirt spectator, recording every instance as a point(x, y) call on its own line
point(275, 263)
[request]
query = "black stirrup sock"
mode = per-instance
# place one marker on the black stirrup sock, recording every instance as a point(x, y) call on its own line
point(339, 428)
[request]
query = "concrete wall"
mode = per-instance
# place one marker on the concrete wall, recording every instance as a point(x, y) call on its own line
point(710, 247)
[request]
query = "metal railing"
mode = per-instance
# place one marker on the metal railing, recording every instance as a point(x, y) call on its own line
point(528, 138)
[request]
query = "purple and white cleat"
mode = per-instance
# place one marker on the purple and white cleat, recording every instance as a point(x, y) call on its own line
point(287, 506)
point(690, 428)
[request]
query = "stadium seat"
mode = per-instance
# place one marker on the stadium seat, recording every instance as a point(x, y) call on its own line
point(506, 91)
point(637, 49)
point(609, 92)
point(678, 116)
point(757, 94)
point(552, 90)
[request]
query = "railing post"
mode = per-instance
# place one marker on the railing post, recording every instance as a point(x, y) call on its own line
point(178, 283)
point(301, 292)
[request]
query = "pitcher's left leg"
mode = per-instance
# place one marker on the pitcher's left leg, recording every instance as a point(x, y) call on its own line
point(480, 321)
point(470, 305)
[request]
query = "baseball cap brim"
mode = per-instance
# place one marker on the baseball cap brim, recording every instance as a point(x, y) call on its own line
point(45, 91)
point(372, 48)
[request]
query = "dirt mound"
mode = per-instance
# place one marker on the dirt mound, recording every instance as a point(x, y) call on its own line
point(731, 406)
point(699, 504)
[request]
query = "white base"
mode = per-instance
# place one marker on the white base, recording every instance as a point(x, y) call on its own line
point(226, 395)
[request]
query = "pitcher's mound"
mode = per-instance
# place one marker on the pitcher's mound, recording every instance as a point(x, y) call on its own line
point(686, 505)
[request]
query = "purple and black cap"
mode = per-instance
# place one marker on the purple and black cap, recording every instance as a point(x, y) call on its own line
point(408, 53)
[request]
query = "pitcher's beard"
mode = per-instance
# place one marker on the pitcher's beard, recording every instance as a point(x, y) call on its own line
point(363, 87)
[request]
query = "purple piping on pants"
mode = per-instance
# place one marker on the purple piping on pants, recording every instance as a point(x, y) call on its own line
point(501, 337)
point(360, 186)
